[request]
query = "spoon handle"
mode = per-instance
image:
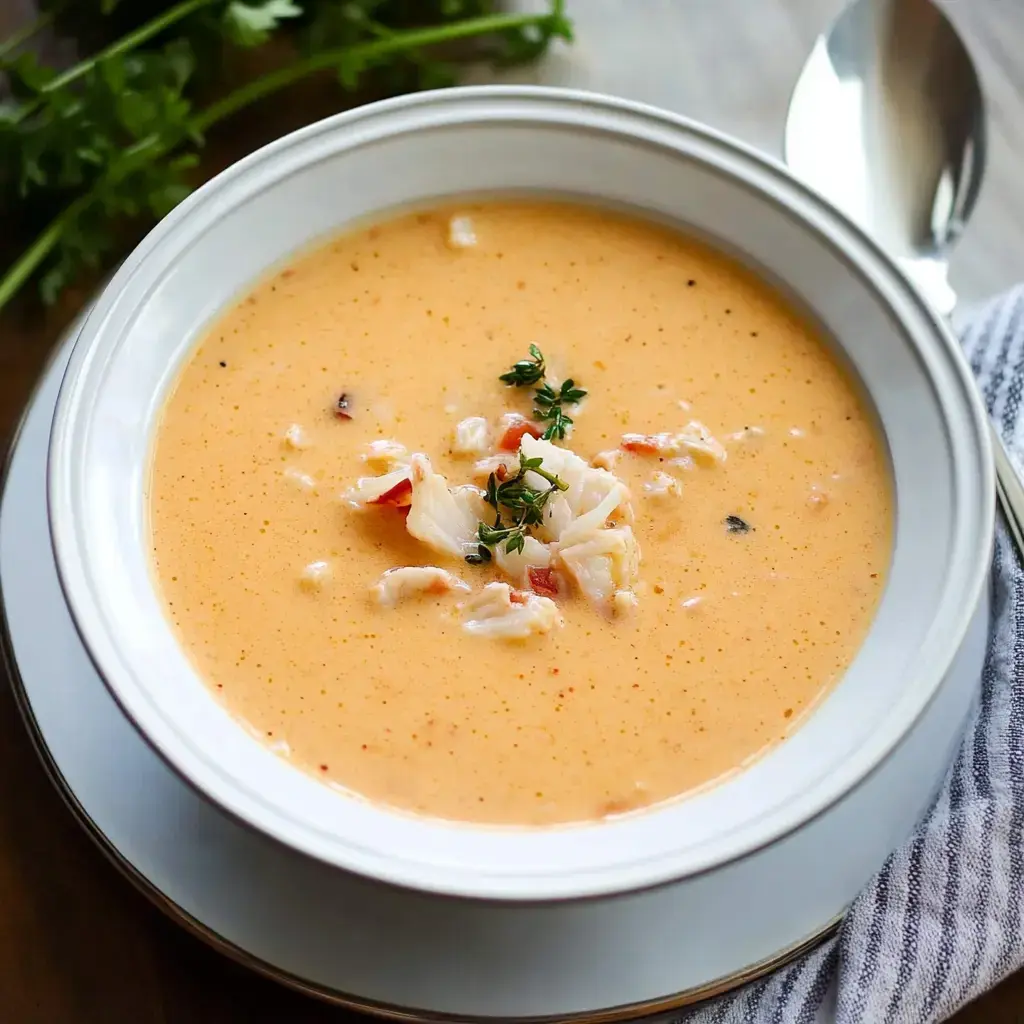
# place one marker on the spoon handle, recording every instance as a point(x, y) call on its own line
point(1010, 490)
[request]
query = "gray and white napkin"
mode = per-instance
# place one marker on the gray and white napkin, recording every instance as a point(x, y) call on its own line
point(944, 918)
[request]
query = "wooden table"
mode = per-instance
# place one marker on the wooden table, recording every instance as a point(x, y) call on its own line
point(77, 944)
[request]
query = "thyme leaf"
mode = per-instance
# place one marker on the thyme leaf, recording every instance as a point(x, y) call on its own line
point(527, 371)
point(548, 403)
point(521, 503)
point(548, 409)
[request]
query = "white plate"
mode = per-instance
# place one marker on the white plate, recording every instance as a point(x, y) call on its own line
point(404, 954)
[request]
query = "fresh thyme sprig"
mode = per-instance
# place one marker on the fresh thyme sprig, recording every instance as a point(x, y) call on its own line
point(548, 402)
point(524, 506)
point(526, 372)
point(548, 407)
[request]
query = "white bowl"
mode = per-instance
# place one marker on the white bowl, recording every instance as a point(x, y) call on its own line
point(314, 182)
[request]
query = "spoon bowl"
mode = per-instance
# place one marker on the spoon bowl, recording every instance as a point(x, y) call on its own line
point(887, 121)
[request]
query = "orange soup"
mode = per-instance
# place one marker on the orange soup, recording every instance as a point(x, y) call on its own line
point(518, 512)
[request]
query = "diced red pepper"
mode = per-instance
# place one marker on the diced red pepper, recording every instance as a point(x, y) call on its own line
point(640, 444)
point(543, 581)
point(399, 496)
point(514, 435)
point(517, 597)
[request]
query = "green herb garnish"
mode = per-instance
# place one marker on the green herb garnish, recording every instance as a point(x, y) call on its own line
point(549, 404)
point(547, 401)
point(518, 508)
point(526, 372)
point(90, 154)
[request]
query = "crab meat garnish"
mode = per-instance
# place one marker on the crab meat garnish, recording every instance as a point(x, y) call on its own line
point(472, 437)
point(607, 460)
point(499, 612)
point(700, 443)
point(461, 233)
point(695, 439)
point(315, 575)
point(295, 437)
point(746, 434)
point(662, 485)
point(300, 479)
point(588, 487)
point(517, 565)
point(385, 455)
point(394, 488)
point(411, 580)
point(583, 526)
point(445, 520)
point(604, 564)
point(503, 466)
point(624, 602)
point(514, 429)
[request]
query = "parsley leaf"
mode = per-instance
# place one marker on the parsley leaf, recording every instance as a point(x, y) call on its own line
point(251, 24)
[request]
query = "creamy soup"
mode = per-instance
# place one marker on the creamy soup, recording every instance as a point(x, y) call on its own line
point(652, 600)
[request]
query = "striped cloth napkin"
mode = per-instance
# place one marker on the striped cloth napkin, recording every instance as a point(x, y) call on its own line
point(944, 918)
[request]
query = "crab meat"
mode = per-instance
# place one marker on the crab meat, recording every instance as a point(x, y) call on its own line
point(315, 575)
point(394, 488)
point(411, 580)
point(472, 437)
point(385, 455)
point(295, 437)
point(746, 434)
point(662, 485)
point(503, 465)
point(519, 564)
point(583, 526)
point(501, 613)
point(607, 460)
point(624, 602)
point(607, 562)
point(461, 234)
point(445, 520)
point(588, 487)
point(300, 479)
point(695, 439)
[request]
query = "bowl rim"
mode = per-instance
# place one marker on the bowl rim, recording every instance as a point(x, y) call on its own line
point(817, 216)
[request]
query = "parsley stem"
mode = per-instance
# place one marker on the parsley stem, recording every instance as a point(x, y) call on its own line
point(148, 149)
point(394, 43)
point(24, 34)
point(129, 42)
point(17, 274)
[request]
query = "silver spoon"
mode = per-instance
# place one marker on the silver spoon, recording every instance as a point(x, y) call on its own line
point(887, 122)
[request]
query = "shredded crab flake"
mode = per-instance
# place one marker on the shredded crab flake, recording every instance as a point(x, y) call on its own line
point(500, 613)
point(413, 580)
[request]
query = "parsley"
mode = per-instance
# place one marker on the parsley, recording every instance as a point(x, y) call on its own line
point(253, 24)
point(518, 508)
point(547, 401)
point(114, 140)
